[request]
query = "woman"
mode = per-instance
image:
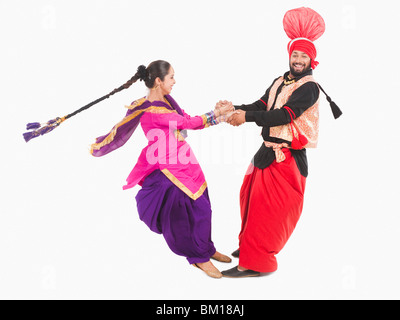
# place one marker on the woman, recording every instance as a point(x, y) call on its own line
point(174, 198)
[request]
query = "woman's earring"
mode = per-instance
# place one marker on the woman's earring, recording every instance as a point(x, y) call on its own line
point(156, 87)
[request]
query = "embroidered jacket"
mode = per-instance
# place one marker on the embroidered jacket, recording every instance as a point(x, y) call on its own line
point(306, 124)
point(265, 114)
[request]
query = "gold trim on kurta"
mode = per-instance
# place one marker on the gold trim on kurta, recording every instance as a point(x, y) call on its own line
point(136, 103)
point(205, 120)
point(113, 133)
point(182, 187)
point(159, 110)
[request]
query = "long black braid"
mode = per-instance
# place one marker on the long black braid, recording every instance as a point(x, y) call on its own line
point(142, 74)
point(139, 75)
point(156, 69)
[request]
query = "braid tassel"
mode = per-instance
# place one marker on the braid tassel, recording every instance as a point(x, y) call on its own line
point(39, 130)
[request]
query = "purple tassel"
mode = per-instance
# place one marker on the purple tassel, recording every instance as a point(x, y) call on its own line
point(33, 125)
point(46, 129)
point(53, 121)
point(51, 125)
point(30, 135)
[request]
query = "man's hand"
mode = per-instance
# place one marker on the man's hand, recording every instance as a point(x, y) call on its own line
point(223, 108)
point(237, 118)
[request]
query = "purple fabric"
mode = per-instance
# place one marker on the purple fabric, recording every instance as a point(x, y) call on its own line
point(51, 125)
point(47, 129)
point(175, 105)
point(125, 131)
point(33, 126)
point(184, 223)
point(30, 135)
point(123, 134)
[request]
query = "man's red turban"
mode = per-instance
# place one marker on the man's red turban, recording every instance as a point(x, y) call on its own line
point(303, 26)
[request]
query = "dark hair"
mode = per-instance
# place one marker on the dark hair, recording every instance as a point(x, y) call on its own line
point(156, 69)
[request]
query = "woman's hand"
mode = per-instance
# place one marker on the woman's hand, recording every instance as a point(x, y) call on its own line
point(223, 108)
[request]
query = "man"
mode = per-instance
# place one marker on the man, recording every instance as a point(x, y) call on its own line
point(271, 197)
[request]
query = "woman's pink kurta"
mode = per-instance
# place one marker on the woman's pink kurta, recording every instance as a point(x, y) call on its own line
point(169, 152)
point(164, 124)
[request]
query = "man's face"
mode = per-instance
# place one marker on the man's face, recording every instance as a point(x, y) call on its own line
point(299, 63)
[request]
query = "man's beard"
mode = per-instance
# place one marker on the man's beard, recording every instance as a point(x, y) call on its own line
point(296, 73)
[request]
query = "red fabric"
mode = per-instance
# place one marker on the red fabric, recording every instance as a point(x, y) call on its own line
point(291, 113)
point(301, 141)
point(306, 47)
point(271, 201)
point(303, 23)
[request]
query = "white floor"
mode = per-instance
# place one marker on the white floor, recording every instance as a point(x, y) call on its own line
point(67, 230)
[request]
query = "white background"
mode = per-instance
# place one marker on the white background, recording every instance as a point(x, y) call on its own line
point(68, 231)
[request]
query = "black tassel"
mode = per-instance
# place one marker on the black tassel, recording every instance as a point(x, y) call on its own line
point(335, 109)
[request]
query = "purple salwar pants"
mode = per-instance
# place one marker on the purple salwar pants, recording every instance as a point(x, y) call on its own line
point(185, 223)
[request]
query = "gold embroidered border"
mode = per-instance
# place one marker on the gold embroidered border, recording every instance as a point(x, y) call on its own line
point(159, 110)
point(113, 133)
point(182, 187)
point(204, 119)
point(136, 103)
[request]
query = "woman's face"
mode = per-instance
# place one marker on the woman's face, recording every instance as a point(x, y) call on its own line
point(168, 83)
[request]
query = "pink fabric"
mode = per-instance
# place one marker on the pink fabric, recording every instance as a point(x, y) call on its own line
point(303, 23)
point(164, 151)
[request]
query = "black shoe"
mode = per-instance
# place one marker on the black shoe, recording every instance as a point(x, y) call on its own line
point(236, 253)
point(235, 273)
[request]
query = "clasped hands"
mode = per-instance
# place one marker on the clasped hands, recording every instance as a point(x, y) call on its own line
point(233, 117)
